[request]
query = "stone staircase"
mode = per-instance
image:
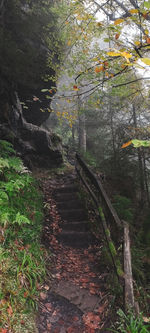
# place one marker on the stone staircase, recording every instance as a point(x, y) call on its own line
point(75, 227)
point(77, 297)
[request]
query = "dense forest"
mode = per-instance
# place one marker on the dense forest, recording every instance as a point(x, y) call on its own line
point(74, 78)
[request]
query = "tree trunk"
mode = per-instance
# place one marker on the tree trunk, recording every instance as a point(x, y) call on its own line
point(140, 163)
point(145, 177)
point(113, 136)
point(82, 133)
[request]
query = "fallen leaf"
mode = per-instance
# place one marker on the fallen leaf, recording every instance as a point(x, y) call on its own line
point(46, 287)
point(43, 296)
point(25, 294)
point(49, 326)
point(70, 330)
point(48, 306)
point(10, 310)
point(146, 320)
point(91, 320)
point(54, 313)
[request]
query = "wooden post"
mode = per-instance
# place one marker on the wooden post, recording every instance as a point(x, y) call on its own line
point(128, 295)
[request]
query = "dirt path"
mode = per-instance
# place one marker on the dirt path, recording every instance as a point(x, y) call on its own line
point(75, 297)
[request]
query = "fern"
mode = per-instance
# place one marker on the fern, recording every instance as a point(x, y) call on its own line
point(4, 218)
point(6, 148)
point(3, 164)
point(3, 198)
point(21, 219)
point(13, 186)
point(15, 163)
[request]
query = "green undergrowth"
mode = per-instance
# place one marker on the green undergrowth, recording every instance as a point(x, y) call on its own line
point(130, 323)
point(22, 266)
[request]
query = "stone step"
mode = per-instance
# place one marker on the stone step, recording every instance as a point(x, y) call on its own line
point(76, 226)
point(73, 214)
point(66, 196)
point(72, 204)
point(76, 239)
point(67, 189)
point(77, 296)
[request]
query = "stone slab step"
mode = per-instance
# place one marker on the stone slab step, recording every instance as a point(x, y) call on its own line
point(67, 189)
point(66, 196)
point(79, 297)
point(76, 239)
point(76, 226)
point(70, 203)
point(73, 214)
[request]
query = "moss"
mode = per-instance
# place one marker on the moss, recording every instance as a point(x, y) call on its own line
point(107, 231)
point(101, 213)
point(112, 249)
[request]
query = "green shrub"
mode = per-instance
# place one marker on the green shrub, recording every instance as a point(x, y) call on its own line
point(130, 323)
point(22, 265)
point(123, 207)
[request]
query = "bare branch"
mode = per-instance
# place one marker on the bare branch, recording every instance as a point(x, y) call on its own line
point(124, 84)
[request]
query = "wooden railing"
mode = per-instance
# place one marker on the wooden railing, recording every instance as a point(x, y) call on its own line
point(112, 227)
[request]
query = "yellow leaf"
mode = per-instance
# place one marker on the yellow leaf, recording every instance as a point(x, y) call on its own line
point(133, 11)
point(137, 42)
point(113, 54)
point(126, 144)
point(95, 59)
point(146, 61)
point(146, 32)
point(118, 21)
point(126, 55)
point(99, 24)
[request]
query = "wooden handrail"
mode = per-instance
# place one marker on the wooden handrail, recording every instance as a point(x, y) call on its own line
point(100, 189)
point(122, 226)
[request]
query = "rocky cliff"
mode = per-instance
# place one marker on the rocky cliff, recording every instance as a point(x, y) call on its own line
point(27, 41)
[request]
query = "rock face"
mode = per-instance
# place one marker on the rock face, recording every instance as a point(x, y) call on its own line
point(37, 146)
point(27, 65)
point(36, 108)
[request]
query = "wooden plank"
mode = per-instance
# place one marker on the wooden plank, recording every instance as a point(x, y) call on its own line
point(129, 294)
point(87, 187)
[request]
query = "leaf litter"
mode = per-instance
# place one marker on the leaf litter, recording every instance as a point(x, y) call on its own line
point(78, 266)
